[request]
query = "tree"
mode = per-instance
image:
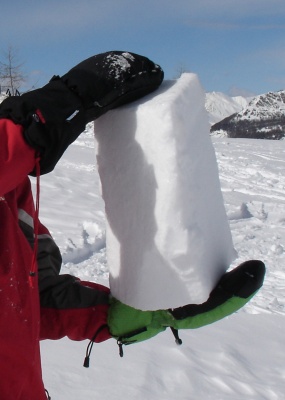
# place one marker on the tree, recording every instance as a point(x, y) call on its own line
point(11, 72)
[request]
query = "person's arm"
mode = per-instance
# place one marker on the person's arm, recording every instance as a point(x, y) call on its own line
point(68, 306)
point(53, 116)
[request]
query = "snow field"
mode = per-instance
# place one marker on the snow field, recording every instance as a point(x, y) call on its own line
point(253, 184)
point(239, 357)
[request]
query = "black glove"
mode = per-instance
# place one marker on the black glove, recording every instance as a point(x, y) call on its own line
point(55, 115)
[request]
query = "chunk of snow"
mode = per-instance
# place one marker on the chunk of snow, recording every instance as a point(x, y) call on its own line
point(168, 239)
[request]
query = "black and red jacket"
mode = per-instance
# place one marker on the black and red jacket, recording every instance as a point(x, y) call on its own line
point(44, 305)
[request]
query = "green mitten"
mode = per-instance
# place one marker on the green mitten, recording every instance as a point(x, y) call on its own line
point(235, 288)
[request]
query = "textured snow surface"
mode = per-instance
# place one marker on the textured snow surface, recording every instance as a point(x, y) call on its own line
point(241, 357)
point(165, 211)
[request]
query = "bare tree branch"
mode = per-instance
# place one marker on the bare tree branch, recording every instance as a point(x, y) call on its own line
point(11, 72)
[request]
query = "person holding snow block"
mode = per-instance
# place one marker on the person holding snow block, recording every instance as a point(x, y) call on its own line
point(35, 130)
point(36, 301)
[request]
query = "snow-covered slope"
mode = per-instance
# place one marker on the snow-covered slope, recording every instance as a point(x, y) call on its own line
point(220, 106)
point(266, 106)
point(240, 357)
point(264, 117)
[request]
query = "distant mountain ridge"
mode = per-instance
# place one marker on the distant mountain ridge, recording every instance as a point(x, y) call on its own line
point(262, 118)
point(220, 105)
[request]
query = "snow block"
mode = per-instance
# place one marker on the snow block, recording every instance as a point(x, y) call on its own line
point(168, 238)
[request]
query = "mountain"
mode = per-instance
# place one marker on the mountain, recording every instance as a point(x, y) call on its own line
point(220, 106)
point(262, 118)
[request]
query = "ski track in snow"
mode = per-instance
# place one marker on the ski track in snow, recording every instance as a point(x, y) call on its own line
point(237, 358)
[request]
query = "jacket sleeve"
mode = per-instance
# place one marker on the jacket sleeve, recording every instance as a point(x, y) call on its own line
point(17, 158)
point(68, 306)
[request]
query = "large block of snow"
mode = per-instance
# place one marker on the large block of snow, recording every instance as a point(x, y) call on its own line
point(168, 239)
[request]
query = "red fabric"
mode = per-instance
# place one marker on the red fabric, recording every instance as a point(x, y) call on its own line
point(20, 365)
point(56, 324)
point(19, 317)
point(17, 158)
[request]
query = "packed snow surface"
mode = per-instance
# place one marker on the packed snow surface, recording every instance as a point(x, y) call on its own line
point(240, 357)
point(167, 226)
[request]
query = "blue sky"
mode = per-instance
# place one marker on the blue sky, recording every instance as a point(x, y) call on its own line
point(235, 46)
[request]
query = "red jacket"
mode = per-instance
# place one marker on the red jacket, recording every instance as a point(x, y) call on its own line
point(50, 307)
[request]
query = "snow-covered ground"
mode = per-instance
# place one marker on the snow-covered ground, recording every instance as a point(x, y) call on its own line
point(241, 357)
